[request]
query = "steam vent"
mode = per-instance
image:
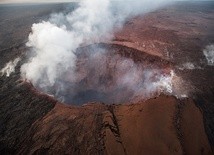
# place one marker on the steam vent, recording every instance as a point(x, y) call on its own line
point(103, 77)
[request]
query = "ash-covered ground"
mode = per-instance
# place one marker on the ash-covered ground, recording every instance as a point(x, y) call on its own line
point(173, 117)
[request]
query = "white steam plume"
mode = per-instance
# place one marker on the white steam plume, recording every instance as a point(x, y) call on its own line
point(54, 43)
point(209, 54)
point(9, 67)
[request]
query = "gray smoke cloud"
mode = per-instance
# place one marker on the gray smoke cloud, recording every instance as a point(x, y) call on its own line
point(55, 42)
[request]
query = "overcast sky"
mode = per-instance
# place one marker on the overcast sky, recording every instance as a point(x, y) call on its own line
point(39, 1)
point(33, 1)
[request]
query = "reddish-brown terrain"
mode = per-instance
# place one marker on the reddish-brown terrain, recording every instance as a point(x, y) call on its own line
point(34, 123)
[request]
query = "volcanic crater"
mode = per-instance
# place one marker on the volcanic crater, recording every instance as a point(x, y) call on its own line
point(110, 73)
point(32, 122)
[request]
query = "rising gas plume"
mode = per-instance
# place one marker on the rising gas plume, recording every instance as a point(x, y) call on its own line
point(9, 67)
point(209, 54)
point(54, 45)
